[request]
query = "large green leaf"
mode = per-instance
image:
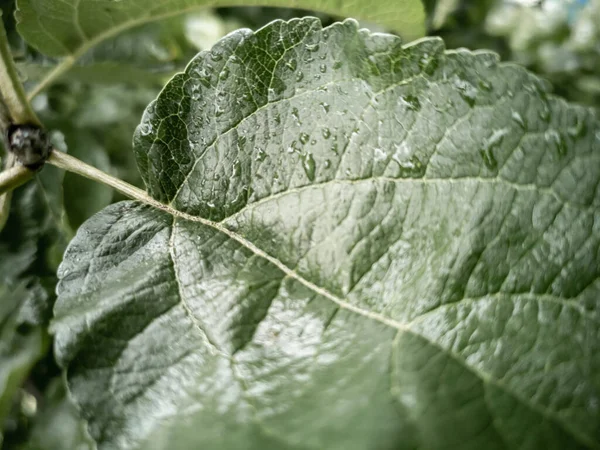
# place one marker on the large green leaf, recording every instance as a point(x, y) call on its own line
point(361, 245)
point(71, 27)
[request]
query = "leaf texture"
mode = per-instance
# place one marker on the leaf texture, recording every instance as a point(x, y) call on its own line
point(359, 245)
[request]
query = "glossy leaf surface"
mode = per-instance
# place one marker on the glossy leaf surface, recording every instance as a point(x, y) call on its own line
point(363, 245)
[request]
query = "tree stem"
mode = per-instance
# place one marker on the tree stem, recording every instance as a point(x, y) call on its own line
point(13, 177)
point(11, 88)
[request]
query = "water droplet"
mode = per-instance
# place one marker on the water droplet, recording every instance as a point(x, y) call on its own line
point(219, 111)
point(277, 119)
point(224, 73)
point(467, 91)
point(412, 168)
point(237, 168)
point(292, 147)
point(325, 106)
point(299, 76)
point(428, 63)
point(292, 64)
point(146, 129)
point(490, 144)
point(326, 133)
point(334, 148)
point(518, 118)
point(323, 68)
point(544, 112)
point(313, 142)
point(327, 164)
point(241, 142)
point(379, 154)
point(309, 165)
point(216, 55)
point(557, 141)
point(578, 129)
point(304, 138)
point(296, 115)
point(312, 47)
point(485, 85)
point(411, 102)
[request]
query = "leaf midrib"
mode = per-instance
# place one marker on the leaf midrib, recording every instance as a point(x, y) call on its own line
point(343, 304)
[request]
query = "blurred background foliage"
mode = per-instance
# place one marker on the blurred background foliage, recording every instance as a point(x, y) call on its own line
point(94, 108)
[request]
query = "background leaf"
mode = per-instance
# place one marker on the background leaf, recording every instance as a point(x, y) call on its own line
point(58, 426)
point(71, 27)
point(362, 245)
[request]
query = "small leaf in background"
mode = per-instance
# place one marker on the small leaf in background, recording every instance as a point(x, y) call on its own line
point(71, 27)
point(57, 426)
point(363, 245)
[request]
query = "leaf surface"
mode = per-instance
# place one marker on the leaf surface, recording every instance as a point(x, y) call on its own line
point(359, 245)
point(71, 27)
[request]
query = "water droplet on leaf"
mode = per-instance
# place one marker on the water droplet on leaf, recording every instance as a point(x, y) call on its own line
point(309, 165)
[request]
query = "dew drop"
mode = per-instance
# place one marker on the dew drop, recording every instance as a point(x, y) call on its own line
point(299, 76)
point(296, 116)
point(326, 133)
point(379, 154)
point(544, 112)
point(428, 63)
point(518, 118)
point(467, 91)
point(312, 47)
point(323, 68)
point(146, 129)
point(485, 85)
point(237, 168)
point(292, 64)
point(309, 165)
point(490, 145)
point(325, 106)
point(292, 147)
point(557, 141)
point(304, 138)
point(411, 102)
point(578, 129)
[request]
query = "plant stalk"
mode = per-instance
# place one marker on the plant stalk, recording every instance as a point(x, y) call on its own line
point(13, 176)
point(12, 91)
point(74, 165)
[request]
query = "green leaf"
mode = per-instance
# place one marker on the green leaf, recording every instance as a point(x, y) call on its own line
point(363, 245)
point(22, 340)
point(58, 425)
point(71, 27)
point(31, 246)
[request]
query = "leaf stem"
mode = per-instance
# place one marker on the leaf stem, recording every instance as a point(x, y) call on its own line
point(13, 176)
point(11, 88)
point(74, 165)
